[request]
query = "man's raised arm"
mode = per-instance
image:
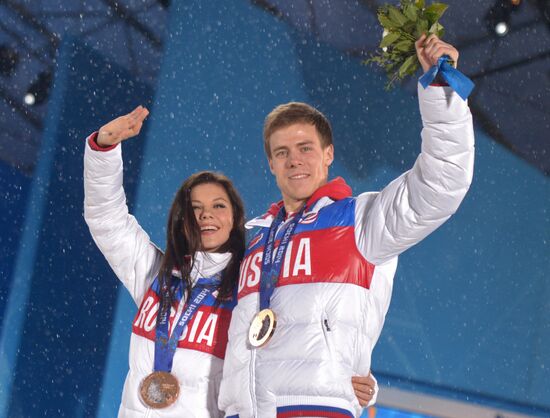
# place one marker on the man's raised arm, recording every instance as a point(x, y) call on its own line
point(421, 199)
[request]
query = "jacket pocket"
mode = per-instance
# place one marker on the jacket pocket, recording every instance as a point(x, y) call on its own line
point(327, 333)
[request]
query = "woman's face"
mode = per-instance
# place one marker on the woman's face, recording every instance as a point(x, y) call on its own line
point(214, 215)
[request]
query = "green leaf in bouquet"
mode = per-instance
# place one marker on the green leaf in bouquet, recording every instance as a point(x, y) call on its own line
point(421, 27)
point(407, 66)
point(390, 82)
point(391, 65)
point(404, 46)
point(408, 29)
point(411, 12)
point(436, 29)
point(380, 60)
point(434, 12)
point(389, 69)
point(404, 24)
point(389, 39)
point(373, 59)
point(396, 16)
point(385, 21)
point(394, 55)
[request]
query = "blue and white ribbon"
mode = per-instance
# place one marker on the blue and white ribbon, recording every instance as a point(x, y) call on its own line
point(165, 344)
point(271, 267)
point(454, 78)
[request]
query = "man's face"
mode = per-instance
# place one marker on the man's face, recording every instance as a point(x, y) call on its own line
point(299, 163)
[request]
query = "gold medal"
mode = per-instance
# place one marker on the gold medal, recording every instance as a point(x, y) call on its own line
point(262, 328)
point(159, 390)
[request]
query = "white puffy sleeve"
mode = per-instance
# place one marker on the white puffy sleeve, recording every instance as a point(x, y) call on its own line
point(421, 199)
point(125, 245)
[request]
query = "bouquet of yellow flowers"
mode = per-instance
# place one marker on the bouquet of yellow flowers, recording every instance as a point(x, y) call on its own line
point(403, 25)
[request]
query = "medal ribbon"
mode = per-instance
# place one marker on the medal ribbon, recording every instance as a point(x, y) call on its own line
point(271, 267)
point(165, 347)
point(458, 81)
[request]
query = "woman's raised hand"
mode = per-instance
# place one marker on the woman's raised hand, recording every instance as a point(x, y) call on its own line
point(122, 128)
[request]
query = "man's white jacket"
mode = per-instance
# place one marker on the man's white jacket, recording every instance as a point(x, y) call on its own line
point(336, 280)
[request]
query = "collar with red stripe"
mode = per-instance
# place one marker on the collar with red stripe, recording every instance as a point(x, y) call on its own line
point(336, 189)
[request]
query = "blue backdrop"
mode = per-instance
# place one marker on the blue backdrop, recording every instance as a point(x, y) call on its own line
point(57, 318)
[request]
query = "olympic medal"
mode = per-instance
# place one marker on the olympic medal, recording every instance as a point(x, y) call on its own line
point(262, 328)
point(159, 390)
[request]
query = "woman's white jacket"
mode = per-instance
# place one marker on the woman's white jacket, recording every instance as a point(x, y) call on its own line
point(198, 360)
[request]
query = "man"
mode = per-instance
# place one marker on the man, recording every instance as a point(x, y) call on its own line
point(316, 281)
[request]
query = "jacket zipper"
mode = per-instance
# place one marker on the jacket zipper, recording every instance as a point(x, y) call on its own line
point(253, 380)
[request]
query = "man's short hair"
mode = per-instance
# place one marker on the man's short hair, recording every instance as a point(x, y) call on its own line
point(296, 112)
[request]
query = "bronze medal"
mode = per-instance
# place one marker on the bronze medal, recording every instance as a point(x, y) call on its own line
point(159, 390)
point(262, 328)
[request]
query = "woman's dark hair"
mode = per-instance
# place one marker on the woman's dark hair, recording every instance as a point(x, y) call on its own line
point(183, 237)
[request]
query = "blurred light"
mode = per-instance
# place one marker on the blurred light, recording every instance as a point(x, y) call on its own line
point(29, 99)
point(498, 16)
point(501, 28)
point(9, 58)
point(39, 90)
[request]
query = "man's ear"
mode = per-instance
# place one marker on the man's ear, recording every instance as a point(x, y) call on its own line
point(329, 155)
point(270, 162)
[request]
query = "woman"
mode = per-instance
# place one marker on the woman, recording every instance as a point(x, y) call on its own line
point(205, 243)
point(176, 349)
